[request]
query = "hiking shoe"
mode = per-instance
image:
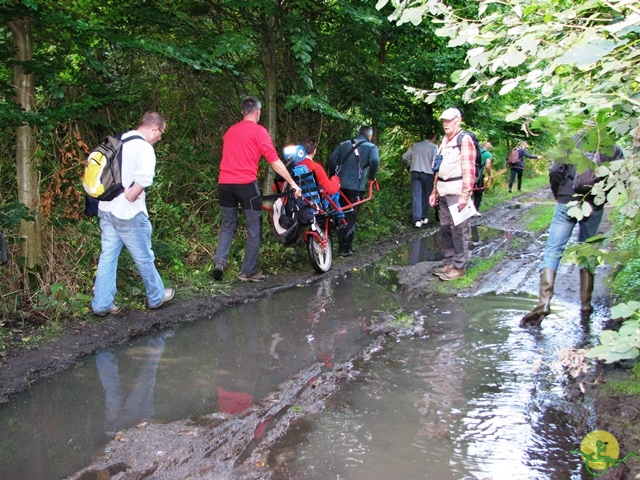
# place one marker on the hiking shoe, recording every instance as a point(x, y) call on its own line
point(218, 272)
point(346, 253)
point(452, 274)
point(444, 269)
point(168, 295)
point(112, 311)
point(418, 224)
point(256, 277)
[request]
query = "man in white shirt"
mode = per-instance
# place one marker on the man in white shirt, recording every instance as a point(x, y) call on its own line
point(124, 221)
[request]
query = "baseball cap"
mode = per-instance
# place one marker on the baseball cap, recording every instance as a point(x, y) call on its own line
point(450, 114)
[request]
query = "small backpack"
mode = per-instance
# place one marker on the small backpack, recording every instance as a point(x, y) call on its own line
point(514, 157)
point(102, 177)
point(478, 148)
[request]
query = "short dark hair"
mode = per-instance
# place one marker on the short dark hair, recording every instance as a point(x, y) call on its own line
point(429, 135)
point(250, 104)
point(366, 130)
point(310, 144)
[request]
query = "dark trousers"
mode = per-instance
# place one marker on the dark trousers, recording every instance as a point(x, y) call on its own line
point(514, 172)
point(345, 236)
point(478, 190)
point(421, 186)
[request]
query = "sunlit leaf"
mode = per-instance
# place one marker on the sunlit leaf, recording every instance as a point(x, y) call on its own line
point(381, 3)
point(412, 15)
point(587, 53)
point(508, 86)
point(513, 59)
point(575, 212)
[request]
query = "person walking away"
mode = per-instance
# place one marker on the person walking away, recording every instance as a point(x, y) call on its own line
point(419, 160)
point(243, 145)
point(353, 161)
point(517, 169)
point(561, 178)
point(453, 186)
point(480, 186)
point(124, 221)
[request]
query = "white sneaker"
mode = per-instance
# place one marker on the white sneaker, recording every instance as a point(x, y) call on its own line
point(418, 224)
point(425, 221)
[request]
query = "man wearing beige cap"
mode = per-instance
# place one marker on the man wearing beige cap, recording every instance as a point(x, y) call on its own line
point(454, 186)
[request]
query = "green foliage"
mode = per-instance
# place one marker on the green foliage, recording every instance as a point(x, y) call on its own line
point(579, 56)
point(12, 213)
point(61, 303)
point(626, 283)
point(621, 345)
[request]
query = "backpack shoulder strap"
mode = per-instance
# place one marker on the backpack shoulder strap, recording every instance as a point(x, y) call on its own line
point(354, 148)
point(459, 138)
point(132, 137)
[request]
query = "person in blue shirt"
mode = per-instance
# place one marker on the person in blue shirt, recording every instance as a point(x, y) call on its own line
point(518, 168)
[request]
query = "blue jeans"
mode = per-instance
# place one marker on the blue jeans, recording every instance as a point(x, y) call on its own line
point(135, 234)
point(121, 410)
point(560, 232)
point(421, 186)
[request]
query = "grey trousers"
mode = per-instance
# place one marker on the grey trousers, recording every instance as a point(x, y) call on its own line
point(248, 197)
point(228, 226)
point(455, 239)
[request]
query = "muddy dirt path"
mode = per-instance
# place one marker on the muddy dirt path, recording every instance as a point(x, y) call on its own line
point(220, 446)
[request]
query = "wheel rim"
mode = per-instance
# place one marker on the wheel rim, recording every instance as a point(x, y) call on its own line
point(321, 256)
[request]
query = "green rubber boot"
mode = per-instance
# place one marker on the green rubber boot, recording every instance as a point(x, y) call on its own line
point(543, 308)
point(586, 291)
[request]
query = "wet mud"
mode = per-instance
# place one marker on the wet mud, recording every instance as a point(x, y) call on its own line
point(239, 446)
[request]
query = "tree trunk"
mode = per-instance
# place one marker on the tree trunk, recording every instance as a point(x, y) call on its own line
point(269, 64)
point(26, 166)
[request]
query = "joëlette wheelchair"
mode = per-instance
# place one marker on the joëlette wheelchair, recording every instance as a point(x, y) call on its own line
point(315, 217)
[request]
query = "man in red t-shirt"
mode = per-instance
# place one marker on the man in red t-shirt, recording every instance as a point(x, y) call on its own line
point(243, 145)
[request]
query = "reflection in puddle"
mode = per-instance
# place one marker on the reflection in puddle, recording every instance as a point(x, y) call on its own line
point(123, 410)
point(224, 363)
point(461, 403)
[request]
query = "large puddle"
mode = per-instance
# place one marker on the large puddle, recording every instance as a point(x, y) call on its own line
point(463, 402)
point(467, 402)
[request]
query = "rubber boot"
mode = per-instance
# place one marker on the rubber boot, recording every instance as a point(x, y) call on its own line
point(543, 308)
point(586, 290)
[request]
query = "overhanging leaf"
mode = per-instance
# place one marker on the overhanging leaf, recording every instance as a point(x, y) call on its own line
point(588, 53)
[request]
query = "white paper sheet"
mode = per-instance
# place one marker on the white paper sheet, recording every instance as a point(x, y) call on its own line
point(466, 213)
